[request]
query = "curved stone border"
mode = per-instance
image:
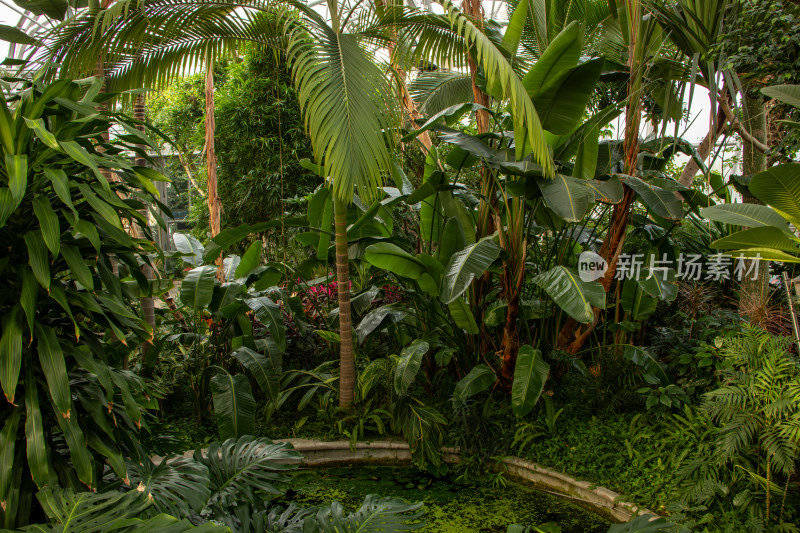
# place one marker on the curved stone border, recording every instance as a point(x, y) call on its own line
point(601, 500)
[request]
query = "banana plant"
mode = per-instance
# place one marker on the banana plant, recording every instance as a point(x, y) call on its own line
point(70, 312)
point(223, 325)
point(766, 232)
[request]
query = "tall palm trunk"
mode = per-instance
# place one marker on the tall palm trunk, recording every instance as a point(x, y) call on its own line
point(347, 370)
point(572, 336)
point(147, 303)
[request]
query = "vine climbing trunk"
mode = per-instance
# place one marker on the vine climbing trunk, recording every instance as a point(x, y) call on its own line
point(573, 335)
point(347, 370)
point(754, 288)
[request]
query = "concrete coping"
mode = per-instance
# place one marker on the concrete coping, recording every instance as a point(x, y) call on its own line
point(601, 500)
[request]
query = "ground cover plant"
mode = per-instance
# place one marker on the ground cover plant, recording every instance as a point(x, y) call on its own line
point(229, 223)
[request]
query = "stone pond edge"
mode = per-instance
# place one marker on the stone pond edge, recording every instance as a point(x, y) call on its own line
point(600, 499)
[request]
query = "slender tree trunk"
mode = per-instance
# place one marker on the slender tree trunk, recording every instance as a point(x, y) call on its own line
point(753, 293)
point(704, 150)
point(347, 370)
point(514, 242)
point(214, 205)
point(148, 303)
point(573, 336)
point(474, 8)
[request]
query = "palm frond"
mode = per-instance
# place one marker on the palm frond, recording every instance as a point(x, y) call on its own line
point(436, 91)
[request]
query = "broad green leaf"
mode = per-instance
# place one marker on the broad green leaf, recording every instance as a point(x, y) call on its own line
point(466, 265)
point(562, 54)
point(375, 515)
point(378, 318)
point(81, 457)
point(38, 127)
point(8, 439)
point(17, 169)
point(586, 160)
point(516, 24)
point(779, 188)
point(55, 369)
point(77, 266)
point(530, 374)
point(176, 485)
point(758, 237)
point(190, 247)
point(269, 313)
point(234, 405)
point(462, 316)
point(637, 303)
point(15, 35)
point(561, 102)
point(766, 254)
point(7, 205)
point(788, 94)
point(38, 460)
point(250, 260)
point(325, 227)
point(575, 296)
point(48, 222)
point(38, 258)
point(263, 369)
point(408, 365)
point(660, 284)
point(394, 259)
point(749, 215)
point(28, 297)
point(660, 201)
point(478, 380)
point(100, 206)
point(643, 358)
point(568, 197)
point(10, 354)
point(608, 191)
point(79, 154)
point(197, 288)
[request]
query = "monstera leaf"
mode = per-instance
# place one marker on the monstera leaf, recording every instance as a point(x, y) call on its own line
point(177, 487)
point(238, 468)
point(375, 515)
point(108, 512)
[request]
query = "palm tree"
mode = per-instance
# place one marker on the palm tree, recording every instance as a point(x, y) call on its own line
point(346, 99)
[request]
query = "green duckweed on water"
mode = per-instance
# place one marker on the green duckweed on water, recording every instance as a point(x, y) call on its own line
point(450, 506)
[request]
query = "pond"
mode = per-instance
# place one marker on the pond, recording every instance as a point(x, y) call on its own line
point(487, 504)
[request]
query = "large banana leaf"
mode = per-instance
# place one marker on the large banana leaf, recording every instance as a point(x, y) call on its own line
point(269, 313)
point(466, 265)
point(530, 374)
point(779, 188)
point(637, 303)
point(758, 237)
point(660, 201)
point(263, 369)
point(240, 468)
point(378, 319)
point(190, 247)
point(561, 102)
point(197, 288)
point(568, 197)
point(234, 405)
point(478, 380)
point(462, 316)
point(586, 160)
point(408, 365)
point(661, 284)
point(562, 54)
point(750, 215)
point(375, 516)
point(391, 257)
point(177, 487)
point(788, 94)
point(575, 296)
